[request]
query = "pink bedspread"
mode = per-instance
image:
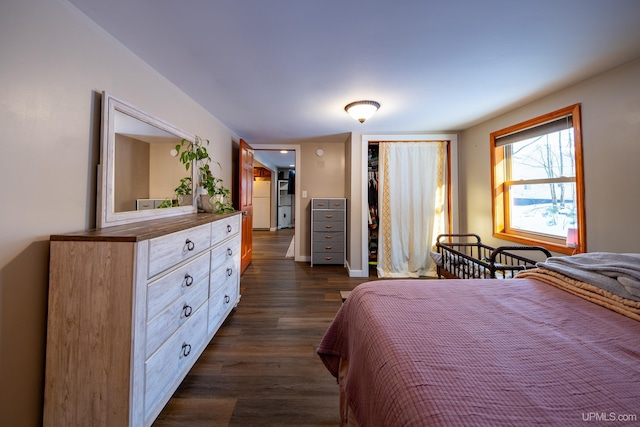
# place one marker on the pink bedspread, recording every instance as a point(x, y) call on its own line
point(483, 352)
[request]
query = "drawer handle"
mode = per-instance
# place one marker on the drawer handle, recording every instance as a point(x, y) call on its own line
point(187, 310)
point(186, 349)
point(328, 258)
point(328, 237)
point(229, 272)
point(328, 247)
point(328, 226)
point(229, 228)
point(190, 245)
point(328, 216)
point(229, 251)
point(188, 280)
point(227, 299)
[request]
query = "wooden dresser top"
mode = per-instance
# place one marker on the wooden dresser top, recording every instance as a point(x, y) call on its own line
point(143, 230)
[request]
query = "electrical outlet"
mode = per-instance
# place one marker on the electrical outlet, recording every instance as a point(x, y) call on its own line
point(304, 194)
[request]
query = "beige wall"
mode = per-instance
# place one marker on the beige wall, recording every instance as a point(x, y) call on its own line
point(165, 171)
point(55, 64)
point(611, 145)
point(131, 172)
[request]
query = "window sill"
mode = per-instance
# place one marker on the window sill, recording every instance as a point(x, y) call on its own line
point(550, 246)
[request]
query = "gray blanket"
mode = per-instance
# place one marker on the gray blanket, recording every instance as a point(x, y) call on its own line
point(616, 273)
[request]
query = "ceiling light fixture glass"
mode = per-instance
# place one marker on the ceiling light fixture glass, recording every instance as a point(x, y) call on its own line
point(362, 110)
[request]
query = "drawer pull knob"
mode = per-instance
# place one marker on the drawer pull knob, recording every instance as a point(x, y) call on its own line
point(188, 280)
point(328, 247)
point(187, 310)
point(227, 299)
point(328, 258)
point(229, 228)
point(190, 245)
point(328, 237)
point(229, 251)
point(186, 349)
point(328, 226)
point(229, 272)
point(328, 216)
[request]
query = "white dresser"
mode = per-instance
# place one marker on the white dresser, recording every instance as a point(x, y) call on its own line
point(131, 308)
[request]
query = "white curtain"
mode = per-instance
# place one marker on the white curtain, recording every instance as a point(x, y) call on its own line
point(411, 205)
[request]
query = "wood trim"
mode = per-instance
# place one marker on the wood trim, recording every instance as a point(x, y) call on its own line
point(536, 121)
point(449, 195)
point(582, 220)
point(499, 207)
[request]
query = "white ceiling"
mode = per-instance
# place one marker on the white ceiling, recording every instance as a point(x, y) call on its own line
point(274, 158)
point(281, 70)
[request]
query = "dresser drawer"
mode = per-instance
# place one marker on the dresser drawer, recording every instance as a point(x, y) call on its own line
point(222, 275)
point(329, 215)
point(328, 204)
point(320, 204)
point(322, 245)
point(225, 228)
point(169, 320)
point(225, 252)
point(170, 287)
point(329, 237)
point(221, 303)
point(328, 258)
point(169, 250)
point(328, 226)
point(338, 204)
point(173, 358)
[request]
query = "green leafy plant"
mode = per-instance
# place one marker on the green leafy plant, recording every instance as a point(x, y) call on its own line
point(219, 196)
point(184, 189)
point(166, 203)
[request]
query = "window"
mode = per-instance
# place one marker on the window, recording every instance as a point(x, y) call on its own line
point(537, 182)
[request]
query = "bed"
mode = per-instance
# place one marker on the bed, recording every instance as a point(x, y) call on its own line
point(541, 349)
point(464, 256)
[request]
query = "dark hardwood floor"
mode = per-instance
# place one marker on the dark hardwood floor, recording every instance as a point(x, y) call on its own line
point(261, 369)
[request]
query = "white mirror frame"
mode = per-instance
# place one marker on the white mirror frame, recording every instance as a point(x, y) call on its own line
point(106, 215)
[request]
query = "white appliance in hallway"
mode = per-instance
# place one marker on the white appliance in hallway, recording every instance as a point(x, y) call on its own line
point(261, 204)
point(285, 205)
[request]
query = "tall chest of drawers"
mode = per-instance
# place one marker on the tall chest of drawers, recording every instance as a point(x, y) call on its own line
point(131, 308)
point(328, 230)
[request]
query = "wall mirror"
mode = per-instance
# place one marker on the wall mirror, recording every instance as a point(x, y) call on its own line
point(139, 171)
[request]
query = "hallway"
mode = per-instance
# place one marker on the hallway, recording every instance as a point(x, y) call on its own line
point(261, 368)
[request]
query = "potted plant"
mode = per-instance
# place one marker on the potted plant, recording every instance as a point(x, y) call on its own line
point(214, 197)
point(218, 196)
point(183, 191)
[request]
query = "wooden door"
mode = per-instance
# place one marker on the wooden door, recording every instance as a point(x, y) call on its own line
point(245, 201)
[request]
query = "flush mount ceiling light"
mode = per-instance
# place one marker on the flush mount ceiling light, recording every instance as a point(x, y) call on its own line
point(362, 110)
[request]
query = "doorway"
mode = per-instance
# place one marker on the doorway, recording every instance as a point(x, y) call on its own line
point(284, 200)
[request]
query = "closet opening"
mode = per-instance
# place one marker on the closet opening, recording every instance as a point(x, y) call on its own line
point(409, 201)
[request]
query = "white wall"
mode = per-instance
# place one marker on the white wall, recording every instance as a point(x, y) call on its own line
point(54, 64)
point(611, 147)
